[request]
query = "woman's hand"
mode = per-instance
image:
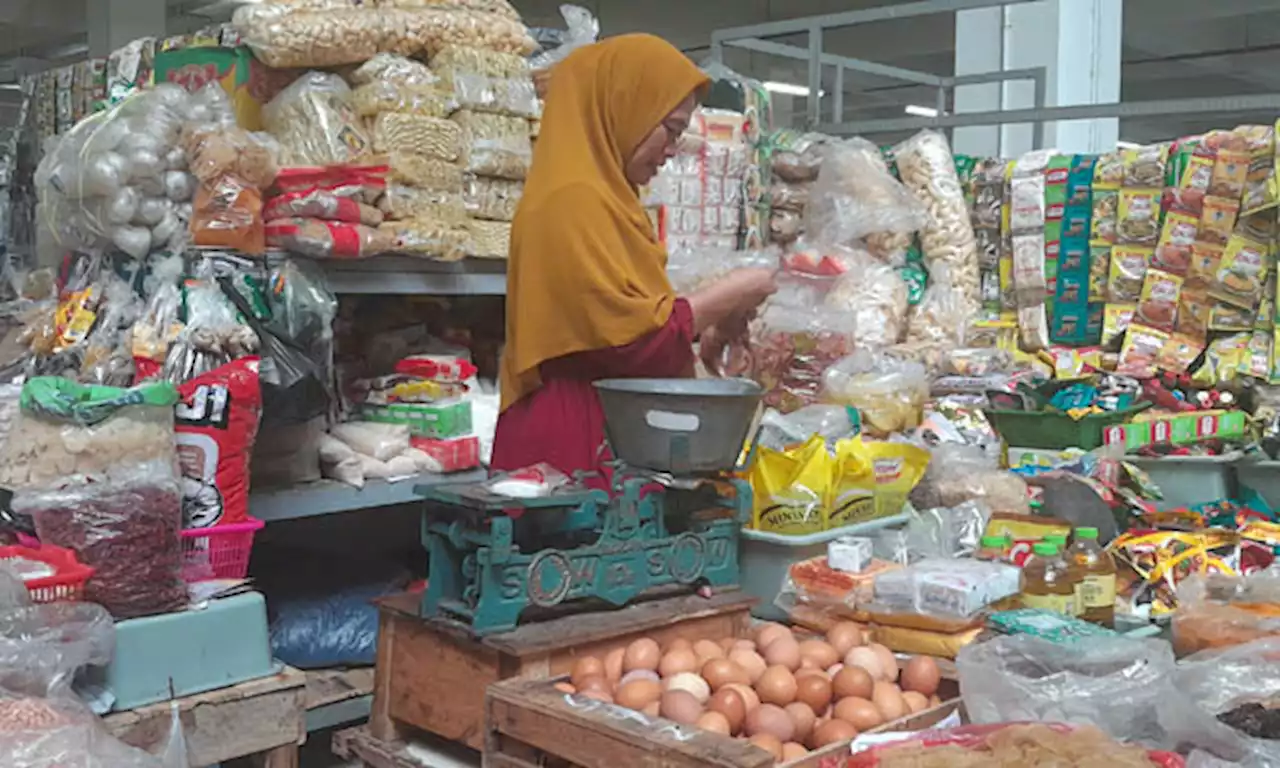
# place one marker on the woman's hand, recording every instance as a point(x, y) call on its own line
point(753, 285)
point(733, 331)
point(735, 295)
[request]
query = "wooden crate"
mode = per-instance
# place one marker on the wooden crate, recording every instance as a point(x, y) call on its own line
point(263, 718)
point(533, 725)
point(432, 674)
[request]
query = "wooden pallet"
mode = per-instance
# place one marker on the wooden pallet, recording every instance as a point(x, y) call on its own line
point(432, 674)
point(533, 725)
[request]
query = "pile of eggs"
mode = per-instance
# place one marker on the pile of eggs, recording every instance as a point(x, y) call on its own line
point(783, 694)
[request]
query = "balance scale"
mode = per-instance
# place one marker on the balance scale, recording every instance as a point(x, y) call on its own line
point(495, 559)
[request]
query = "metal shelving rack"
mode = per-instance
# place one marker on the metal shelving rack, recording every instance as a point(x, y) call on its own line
point(752, 37)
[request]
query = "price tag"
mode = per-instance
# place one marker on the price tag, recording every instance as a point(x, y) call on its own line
point(1161, 431)
point(1207, 425)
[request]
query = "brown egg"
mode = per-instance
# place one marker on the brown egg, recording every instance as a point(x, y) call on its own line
point(820, 653)
point(792, 751)
point(690, 683)
point(731, 705)
point(935, 700)
point(652, 709)
point(706, 649)
point(613, 664)
point(637, 694)
point(769, 743)
point(777, 686)
point(638, 674)
point(858, 712)
point(715, 723)
point(677, 661)
point(721, 672)
point(597, 695)
point(921, 676)
point(916, 702)
point(888, 699)
point(565, 688)
point(853, 681)
point(746, 645)
point(803, 718)
point(867, 659)
point(844, 637)
point(679, 644)
point(750, 661)
point(768, 632)
point(748, 694)
point(594, 684)
point(641, 654)
point(832, 732)
point(814, 690)
point(784, 651)
point(888, 663)
point(587, 666)
point(771, 720)
point(681, 707)
point(727, 645)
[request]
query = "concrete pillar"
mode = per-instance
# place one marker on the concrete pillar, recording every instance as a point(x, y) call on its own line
point(113, 23)
point(1077, 41)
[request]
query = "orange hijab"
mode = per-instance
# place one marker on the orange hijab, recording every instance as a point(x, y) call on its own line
point(587, 271)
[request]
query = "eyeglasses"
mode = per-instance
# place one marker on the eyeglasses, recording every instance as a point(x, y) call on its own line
point(675, 129)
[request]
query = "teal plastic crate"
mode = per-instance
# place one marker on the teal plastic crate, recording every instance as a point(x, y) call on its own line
point(1187, 481)
point(766, 557)
point(182, 654)
point(1055, 430)
point(1261, 476)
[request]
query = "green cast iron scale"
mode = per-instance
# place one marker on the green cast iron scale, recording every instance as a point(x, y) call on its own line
point(674, 523)
point(493, 557)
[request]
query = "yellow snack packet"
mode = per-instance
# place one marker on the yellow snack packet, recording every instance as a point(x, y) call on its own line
point(790, 488)
point(898, 468)
point(853, 489)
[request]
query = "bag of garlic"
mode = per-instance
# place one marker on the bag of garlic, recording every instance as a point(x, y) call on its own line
point(119, 178)
point(95, 469)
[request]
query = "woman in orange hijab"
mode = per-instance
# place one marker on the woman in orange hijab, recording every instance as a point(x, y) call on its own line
point(588, 296)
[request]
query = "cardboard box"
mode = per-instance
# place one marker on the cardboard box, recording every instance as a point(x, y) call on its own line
point(1178, 429)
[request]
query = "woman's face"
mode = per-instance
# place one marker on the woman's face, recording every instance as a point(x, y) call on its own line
point(660, 145)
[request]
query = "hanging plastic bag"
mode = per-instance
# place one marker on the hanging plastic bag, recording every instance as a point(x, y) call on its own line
point(856, 196)
point(943, 314)
point(107, 359)
point(582, 28)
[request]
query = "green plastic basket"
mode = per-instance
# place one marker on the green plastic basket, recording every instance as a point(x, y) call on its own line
point(1056, 430)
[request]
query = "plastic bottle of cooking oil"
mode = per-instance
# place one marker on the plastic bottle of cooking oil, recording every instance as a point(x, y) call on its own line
point(1098, 593)
point(1074, 573)
point(1046, 583)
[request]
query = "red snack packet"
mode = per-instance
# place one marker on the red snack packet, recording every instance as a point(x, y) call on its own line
point(215, 425)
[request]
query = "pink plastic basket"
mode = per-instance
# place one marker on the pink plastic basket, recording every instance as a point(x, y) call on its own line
point(221, 552)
